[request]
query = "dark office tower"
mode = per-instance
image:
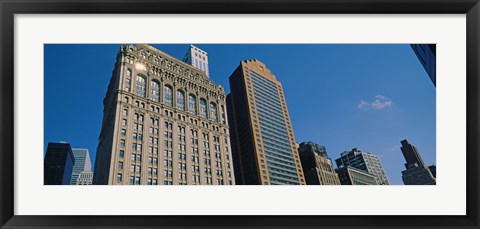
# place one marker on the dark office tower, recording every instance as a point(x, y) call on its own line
point(352, 176)
point(58, 164)
point(164, 123)
point(367, 162)
point(426, 53)
point(263, 145)
point(317, 167)
point(416, 172)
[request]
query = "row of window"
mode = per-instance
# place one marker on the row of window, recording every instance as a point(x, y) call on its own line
point(140, 90)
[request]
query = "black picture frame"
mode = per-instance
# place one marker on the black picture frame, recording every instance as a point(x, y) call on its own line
point(9, 8)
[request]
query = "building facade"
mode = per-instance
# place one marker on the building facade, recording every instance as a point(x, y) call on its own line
point(317, 166)
point(164, 123)
point(84, 178)
point(263, 143)
point(82, 163)
point(352, 176)
point(58, 164)
point(367, 162)
point(416, 172)
point(197, 58)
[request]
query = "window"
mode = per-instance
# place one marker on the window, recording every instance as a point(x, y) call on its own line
point(213, 111)
point(121, 154)
point(119, 177)
point(192, 104)
point(125, 112)
point(128, 77)
point(131, 180)
point(203, 108)
point(155, 91)
point(140, 85)
point(168, 92)
point(120, 165)
point(122, 143)
point(124, 132)
point(180, 100)
point(124, 122)
point(137, 180)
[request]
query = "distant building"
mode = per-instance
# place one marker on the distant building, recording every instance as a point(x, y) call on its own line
point(367, 162)
point(416, 172)
point(263, 145)
point(197, 58)
point(352, 176)
point(317, 166)
point(426, 53)
point(58, 164)
point(82, 163)
point(84, 178)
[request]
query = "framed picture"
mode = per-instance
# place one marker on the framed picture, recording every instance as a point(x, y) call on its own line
point(372, 88)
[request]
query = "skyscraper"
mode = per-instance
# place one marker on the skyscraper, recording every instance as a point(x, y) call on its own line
point(85, 178)
point(416, 172)
point(164, 123)
point(367, 162)
point(263, 144)
point(352, 176)
point(82, 163)
point(197, 58)
point(58, 164)
point(317, 166)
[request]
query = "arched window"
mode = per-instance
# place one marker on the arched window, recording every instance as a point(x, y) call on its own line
point(155, 91)
point(168, 92)
point(203, 108)
point(213, 111)
point(180, 100)
point(128, 78)
point(192, 104)
point(140, 85)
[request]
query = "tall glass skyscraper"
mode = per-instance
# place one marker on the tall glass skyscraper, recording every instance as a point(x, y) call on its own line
point(82, 163)
point(263, 145)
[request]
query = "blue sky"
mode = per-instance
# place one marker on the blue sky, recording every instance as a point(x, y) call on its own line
point(340, 96)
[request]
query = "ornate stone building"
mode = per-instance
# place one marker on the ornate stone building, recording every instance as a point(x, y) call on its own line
point(164, 122)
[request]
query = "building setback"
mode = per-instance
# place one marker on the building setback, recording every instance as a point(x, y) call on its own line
point(416, 172)
point(317, 166)
point(352, 176)
point(263, 144)
point(82, 163)
point(58, 164)
point(164, 123)
point(197, 58)
point(367, 162)
point(85, 178)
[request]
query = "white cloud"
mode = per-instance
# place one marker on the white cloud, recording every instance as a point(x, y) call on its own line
point(380, 102)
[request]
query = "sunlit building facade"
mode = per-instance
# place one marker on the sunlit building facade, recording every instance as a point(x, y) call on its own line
point(263, 143)
point(82, 163)
point(197, 58)
point(164, 123)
